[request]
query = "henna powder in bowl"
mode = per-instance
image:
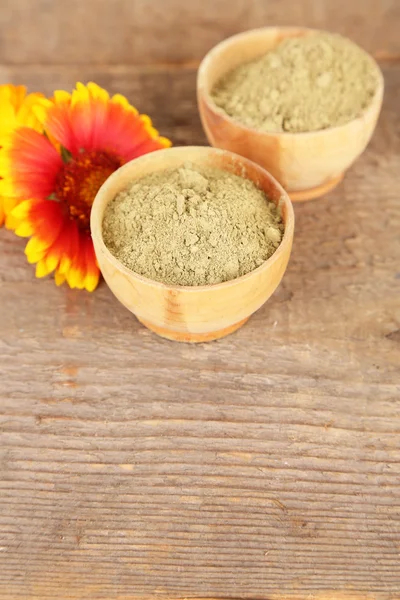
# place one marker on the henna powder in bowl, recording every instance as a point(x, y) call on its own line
point(192, 226)
point(306, 83)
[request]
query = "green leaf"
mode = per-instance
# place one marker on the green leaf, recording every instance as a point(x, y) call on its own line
point(65, 154)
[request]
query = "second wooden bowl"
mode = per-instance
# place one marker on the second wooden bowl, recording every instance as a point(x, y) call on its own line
point(185, 313)
point(307, 164)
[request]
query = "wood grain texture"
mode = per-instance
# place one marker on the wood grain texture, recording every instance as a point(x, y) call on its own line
point(265, 465)
point(159, 31)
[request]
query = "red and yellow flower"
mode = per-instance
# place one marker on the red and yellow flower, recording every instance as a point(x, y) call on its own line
point(56, 174)
point(15, 111)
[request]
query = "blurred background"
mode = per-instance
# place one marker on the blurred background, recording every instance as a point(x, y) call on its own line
point(150, 32)
point(150, 49)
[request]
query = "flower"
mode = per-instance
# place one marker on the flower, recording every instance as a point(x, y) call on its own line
point(87, 135)
point(15, 110)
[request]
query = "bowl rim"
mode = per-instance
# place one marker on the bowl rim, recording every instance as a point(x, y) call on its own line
point(231, 40)
point(96, 222)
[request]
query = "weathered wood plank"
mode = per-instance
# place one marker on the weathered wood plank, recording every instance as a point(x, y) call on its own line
point(176, 31)
point(264, 465)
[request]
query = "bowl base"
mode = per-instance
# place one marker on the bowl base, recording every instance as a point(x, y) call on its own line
point(192, 338)
point(316, 192)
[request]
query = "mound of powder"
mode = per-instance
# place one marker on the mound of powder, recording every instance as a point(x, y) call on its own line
point(306, 83)
point(192, 226)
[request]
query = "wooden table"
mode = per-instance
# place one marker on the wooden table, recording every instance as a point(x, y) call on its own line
point(262, 466)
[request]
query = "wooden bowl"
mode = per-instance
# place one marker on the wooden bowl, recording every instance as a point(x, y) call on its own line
point(186, 313)
point(307, 164)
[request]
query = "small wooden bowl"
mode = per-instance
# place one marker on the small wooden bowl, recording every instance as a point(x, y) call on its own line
point(185, 313)
point(308, 165)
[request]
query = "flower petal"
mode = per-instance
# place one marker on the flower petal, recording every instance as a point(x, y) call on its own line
point(9, 204)
point(42, 269)
point(59, 278)
point(32, 163)
point(35, 249)
point(71, 249)
point(16, 108)
point(22, 210)
point(48, 218)
point(55, 117)
point(92, 269)
point(24, 229)
point(89, 119)
point(60, 249)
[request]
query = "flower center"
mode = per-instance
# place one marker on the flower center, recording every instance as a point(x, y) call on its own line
point(80, 179)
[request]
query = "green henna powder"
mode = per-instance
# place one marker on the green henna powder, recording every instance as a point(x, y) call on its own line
point(305, 83)
point(192, 226)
